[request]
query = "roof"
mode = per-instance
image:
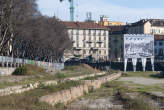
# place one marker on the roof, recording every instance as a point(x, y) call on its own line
point(153, 22)
point(159, 37)
point(83, 25)
point(116, 28)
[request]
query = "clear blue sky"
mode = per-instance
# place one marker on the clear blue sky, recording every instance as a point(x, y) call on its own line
point(116, 10)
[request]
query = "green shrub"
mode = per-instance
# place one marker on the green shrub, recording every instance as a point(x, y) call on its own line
point(60, 76)
point(20, 71)
point(62, 86)
point(91, 89)
point(60, 106)
point(28, 70)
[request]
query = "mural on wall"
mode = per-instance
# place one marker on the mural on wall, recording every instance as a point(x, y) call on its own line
point(138, 46)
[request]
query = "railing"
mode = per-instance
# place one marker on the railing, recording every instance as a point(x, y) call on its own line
point(18, 62)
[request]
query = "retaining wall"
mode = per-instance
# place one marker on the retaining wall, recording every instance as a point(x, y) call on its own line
point(27, 87)
point(67, 96)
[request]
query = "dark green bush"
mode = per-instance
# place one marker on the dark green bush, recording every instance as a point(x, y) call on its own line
point(20, 71)
point(29, 70)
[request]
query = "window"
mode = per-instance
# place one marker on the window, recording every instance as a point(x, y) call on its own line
point(105, 45)
point(105, 52)
point(160, 43)
point(95, 38)
point(77, 32)
point(160, 52)
point(100, 45)
point(71, 37)
point(84, 51)
point(89, 38)
point(71, 31)
point(84, 44)
point(89, 44)
point(94, 44)
point(156, 51)
point(77, 44)
point(155, 43)
point(94, 33)
point(84, 32)
point(105, 38)
point(77, 37)
point(99, 38)
point(89, 32)
point(104, 33)
point(84, 37)
point(100, 52)
point(100, 33)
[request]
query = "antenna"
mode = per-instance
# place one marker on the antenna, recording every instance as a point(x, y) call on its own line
point(89, 16)
point(71, 9)
point(77, 10)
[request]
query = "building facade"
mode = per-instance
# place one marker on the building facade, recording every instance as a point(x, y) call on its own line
point(159, 47)
point(116, 46)
point(154, 27)
point(89, 39)
point(146, 26)
point(105, 22)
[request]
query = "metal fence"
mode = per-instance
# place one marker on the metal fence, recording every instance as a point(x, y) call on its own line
point(11, 60)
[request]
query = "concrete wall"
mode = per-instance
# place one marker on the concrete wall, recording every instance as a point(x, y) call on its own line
point(67, 96)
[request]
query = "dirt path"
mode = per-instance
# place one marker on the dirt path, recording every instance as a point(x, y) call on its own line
point(141, 80)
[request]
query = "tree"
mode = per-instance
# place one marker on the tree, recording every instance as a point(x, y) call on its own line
point(32, 35)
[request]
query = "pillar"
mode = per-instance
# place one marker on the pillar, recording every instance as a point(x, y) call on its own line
point(144, 64)
point(125, 63)
point(134, 61)
point(152, 63)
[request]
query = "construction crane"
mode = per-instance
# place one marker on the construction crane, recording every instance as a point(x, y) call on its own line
point(71, 9)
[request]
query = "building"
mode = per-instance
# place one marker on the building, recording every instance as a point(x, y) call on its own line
point(150, 26)
point(116, 34)
point(159, 47)
point(116, 47)
point(89, 39)
point(105, 22)
point(147, 26)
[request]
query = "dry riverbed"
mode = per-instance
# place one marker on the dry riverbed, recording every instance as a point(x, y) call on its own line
point(134, 91)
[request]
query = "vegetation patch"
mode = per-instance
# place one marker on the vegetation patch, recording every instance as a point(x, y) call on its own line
point(147, 74)
point(28, 70)
point(61, 86)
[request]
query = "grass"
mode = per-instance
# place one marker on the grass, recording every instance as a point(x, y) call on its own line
point(61, 86)
point(72, 71)
point(32, 74)
point(147, 74)
point(30, 100)
point(28, 70)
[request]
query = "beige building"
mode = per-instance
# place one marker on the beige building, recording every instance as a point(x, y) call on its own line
point(147, 26)
point(89, 39)
point(105, 22)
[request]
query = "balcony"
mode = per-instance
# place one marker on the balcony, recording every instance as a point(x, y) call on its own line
point(99, 42)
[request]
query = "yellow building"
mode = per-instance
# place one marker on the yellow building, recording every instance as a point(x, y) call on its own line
point(104, 22)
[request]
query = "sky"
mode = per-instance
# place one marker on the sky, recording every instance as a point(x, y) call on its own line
point(116, 10)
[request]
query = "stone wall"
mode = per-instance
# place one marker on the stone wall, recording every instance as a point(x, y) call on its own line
point(24, 88)
point(6, 71)
point(27, 87)
point(67, 96)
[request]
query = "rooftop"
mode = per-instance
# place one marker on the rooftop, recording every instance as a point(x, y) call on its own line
point(83, 25)
point(154, 22)
point(159, 37)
